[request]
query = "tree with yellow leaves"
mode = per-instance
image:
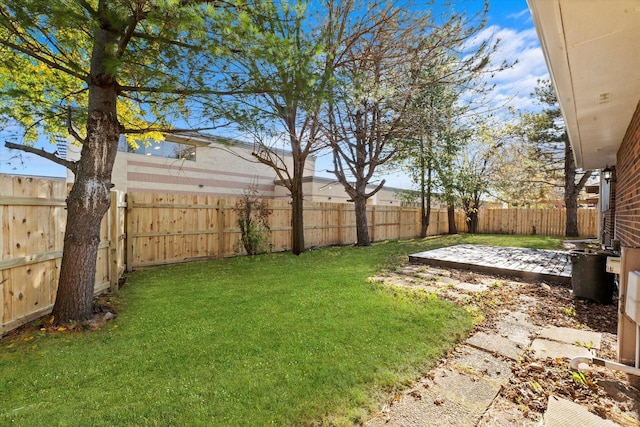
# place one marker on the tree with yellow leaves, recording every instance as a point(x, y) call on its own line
point(97, 69)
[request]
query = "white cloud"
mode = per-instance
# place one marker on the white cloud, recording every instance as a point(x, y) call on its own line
point(518, 81)
point(518, 15)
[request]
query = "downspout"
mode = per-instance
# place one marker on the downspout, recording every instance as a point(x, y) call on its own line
point(599, 222)
point(601, 362)
point(631, 300)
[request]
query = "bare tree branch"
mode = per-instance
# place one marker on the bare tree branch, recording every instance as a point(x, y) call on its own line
point(72, 166)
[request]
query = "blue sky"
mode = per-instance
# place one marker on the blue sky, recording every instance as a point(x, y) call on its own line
point(509, 21)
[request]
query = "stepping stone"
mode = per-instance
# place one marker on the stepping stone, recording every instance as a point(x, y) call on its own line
point(519, 333)
point(545, 348)
point(424, 408)
point(454, 399)
point(473, 361)
point(572, 336)
point(521, 319)
point(470, 287)
point(409, 271)
point(495, 344)
point(564, 413)
point(505, 413)
point(472, 393)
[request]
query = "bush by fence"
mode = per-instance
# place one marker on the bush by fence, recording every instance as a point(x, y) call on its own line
point(148, 229)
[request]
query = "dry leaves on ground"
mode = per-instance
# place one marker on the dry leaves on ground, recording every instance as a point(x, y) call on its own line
point(605, 392)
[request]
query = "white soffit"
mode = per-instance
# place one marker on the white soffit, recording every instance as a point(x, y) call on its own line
point(592, 49)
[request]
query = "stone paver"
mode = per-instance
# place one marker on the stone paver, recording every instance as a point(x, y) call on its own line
point(427, 409)
point(505, 413)
point(495, 344)
point(516, 332)
point(477, 362)
point(536, 264)
point(471, 287)
point(546, 348)
point(572, 336)
point(564, 413)
point(457, 396)
point(472, 392)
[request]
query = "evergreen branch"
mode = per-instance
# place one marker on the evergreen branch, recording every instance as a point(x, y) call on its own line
point(176, 91)
point(168, 41)
point(86, 6)
point(33, 54)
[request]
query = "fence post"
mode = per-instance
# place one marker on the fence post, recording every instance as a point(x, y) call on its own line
point(340, 223)
point(129, 229)
point(373, 223)
point(114, 255)
point(220, 228)
point(399, 222)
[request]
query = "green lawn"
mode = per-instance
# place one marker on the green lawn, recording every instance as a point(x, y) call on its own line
point(274, 339)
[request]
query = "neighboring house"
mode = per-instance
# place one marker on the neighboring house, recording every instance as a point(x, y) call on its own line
point(197, 163)
point(320, 189)
point(191, 163)
point(592, 49)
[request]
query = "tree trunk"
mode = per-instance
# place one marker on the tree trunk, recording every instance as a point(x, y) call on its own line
point(89, 198)
point(362, 226)
point(473, 222)
point(570, 193)
point(571, 229)
point(471, 212)
point(451, 218)
point(425, 215)
point(425, 208)
point(297, 214)
point(474, 211)
point(425, 191)
point(472, 217)
point(87, 203)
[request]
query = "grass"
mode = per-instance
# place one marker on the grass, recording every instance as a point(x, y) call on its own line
point(274, 339)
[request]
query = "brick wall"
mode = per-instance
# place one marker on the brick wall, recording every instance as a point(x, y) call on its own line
point(627, 194)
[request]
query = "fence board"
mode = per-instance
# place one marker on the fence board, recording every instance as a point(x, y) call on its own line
point(549, 222)
point(33, 219)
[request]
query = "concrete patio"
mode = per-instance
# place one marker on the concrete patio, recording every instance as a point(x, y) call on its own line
point(530, 264)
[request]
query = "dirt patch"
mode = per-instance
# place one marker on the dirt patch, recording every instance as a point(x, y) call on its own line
point(103, 311)
point(523, 399)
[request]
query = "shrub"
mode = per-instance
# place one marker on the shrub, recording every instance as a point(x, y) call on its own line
point(253, 215)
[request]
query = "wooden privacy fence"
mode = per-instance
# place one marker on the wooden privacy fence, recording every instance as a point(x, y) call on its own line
point(166, 228)
point(33, 217)
point(546, 222)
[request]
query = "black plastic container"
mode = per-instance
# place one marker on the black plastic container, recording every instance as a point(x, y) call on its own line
point(589, 277)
